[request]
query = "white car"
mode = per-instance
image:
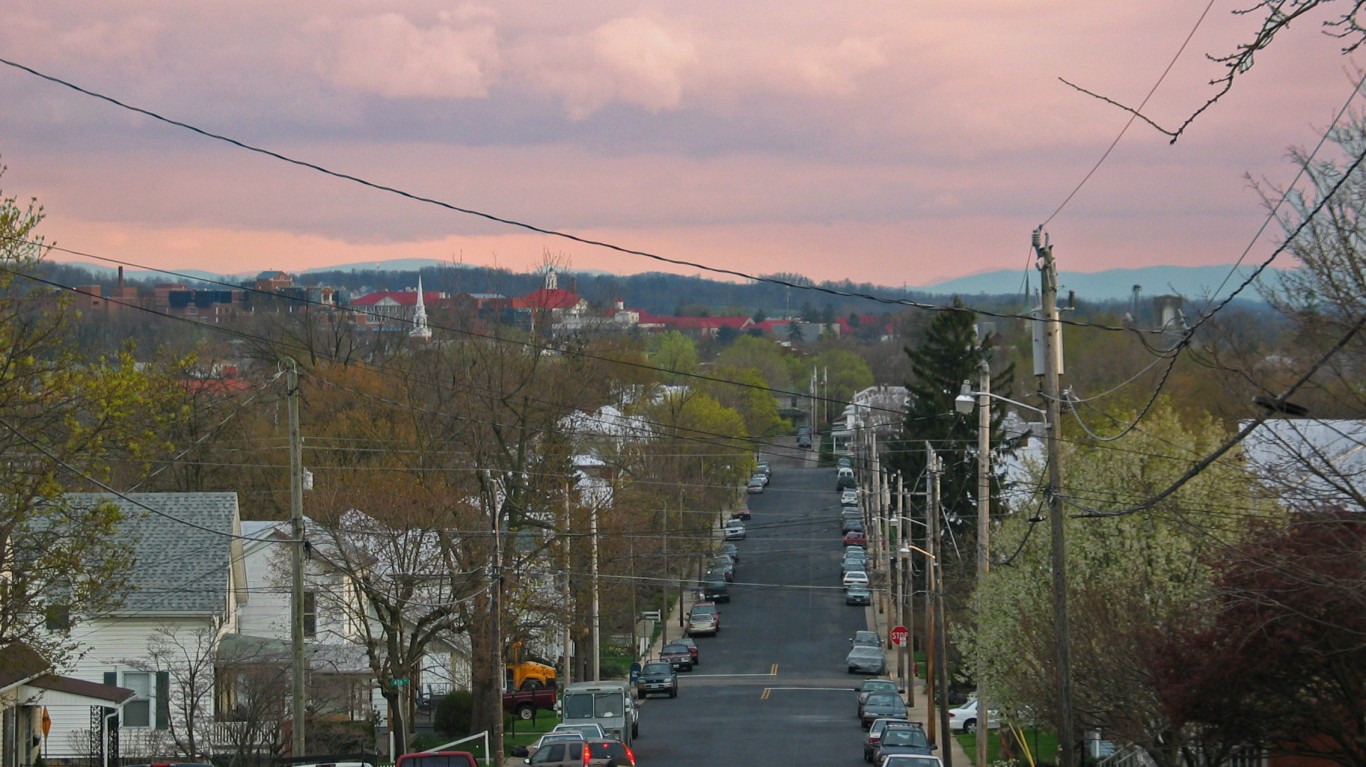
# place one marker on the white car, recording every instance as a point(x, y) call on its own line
point(964, 718)
point(855, 576)
point(735, 530)
point(849, 497)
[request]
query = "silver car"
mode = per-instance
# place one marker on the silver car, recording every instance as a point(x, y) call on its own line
point(864, 659)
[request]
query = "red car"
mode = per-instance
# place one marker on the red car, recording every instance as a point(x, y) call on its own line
point(855, 538)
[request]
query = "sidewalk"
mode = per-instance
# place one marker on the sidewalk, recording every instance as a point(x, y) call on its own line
point(918, 709)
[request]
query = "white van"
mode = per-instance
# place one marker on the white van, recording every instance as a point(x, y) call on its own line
point(844, 477)
point(608, 704)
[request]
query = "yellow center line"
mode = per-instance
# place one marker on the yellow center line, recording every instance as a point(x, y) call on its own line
point(774, 670)
point(764, 696)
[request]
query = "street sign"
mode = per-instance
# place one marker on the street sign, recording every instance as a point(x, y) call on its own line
point(47, 722)
point(899, 636)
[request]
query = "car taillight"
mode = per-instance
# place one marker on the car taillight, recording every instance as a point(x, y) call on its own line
point(630, 755)
point(586, 753)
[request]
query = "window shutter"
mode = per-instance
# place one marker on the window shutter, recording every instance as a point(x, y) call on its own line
point(111, 678)
point(163, 700)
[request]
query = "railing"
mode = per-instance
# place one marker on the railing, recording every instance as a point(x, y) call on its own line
point(488, 758)
point(1128, 756)
point(257, 736)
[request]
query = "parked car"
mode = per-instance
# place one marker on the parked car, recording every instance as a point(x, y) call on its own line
point(855, 576)
point(882, 705)
point(743, 514)
point(608, 752)
point(761, 476)
point(714, 589)
point(657, 677)
point(560, 753)
point(754, 486)
point(850, 525)
point(856, 594)
point(732, 551)
point(546, 740)
point(863, 659)
point(849, 497)
point(585, 730)
point(911, 760)
point(875, 734)
point(723, 565)
point(735, 530)
point(677, 654)
point(964, 718)
point(870, 638)
point(853, 562)
point(855, 538)
point(902, 740)
point(871, 686)
point(692, 648)
point(704, 618)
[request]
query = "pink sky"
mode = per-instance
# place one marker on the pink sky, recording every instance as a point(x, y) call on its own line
point(889, 142)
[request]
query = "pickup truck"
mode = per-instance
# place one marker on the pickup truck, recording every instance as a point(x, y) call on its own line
point(526, 701)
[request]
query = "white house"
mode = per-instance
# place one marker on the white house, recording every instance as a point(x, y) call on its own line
point(342, 684)
point(186, 583)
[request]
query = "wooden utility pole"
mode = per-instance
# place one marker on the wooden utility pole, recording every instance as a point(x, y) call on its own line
point(983, 542)
point(932, 626)
point(296, 518)
point(1052, 357)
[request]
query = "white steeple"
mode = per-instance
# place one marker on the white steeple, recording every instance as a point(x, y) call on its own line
point(550, 279)
point(420, 329)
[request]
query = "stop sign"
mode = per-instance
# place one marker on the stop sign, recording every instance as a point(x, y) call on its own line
point(899, 636)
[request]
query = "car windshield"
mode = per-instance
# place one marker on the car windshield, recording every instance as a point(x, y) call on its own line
point(866, 652)
point(594, 705)
point(675, 648)
point(657, 668)
point(704, 609)
point(905, 736)
point(882, 699)
point(879, 685)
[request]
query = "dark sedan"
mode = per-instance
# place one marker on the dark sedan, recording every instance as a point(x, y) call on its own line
point(882, 705)
point(677, 654)
point(899, 740)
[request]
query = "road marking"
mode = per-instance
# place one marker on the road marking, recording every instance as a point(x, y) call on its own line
point(774, 672)
point(727, 676)
point(764, 695)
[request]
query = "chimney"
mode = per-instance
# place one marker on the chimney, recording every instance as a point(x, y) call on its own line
point(120, 280)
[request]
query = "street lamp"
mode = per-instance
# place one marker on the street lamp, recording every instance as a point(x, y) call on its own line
point(966, 400)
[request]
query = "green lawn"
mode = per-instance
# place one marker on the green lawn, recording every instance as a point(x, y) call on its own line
point(1041, 744)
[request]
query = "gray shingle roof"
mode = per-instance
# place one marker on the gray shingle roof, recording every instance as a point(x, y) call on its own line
point(182, 546)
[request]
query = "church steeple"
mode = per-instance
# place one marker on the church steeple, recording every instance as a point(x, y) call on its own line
point(551, 281)
point(420, 329)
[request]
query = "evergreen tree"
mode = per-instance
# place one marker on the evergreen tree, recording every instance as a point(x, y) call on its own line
point(949, 354)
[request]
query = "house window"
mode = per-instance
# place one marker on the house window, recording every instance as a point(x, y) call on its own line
point(57, 617)
point(310, 614)
point(138, 711)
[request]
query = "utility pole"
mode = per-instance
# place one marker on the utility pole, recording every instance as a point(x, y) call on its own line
point(296, 518)
point(567, 637)
point(597, 628)
point(496, 594)
point(907, 614)
point(983, 541)
point(1052, 357)
point(931, 619)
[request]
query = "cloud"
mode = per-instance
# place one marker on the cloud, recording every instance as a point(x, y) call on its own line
point(455, 57)
point(630, 60)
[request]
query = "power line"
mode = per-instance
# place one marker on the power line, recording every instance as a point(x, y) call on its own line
point(495, 218)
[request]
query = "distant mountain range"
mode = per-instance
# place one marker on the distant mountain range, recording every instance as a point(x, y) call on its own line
point(1112, 284)
point(1193, 282)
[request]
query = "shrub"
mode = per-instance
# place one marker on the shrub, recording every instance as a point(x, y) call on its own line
point(453, 712)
